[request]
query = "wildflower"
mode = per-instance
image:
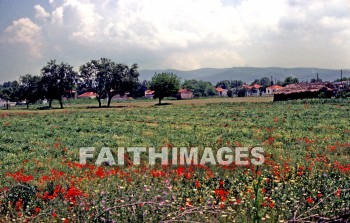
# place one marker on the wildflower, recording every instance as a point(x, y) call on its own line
point(37, 209)
point(197, 184)
point(19, 204)
point(309, 200)
point(338, 192)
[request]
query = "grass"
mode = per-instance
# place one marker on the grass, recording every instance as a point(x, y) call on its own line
point(305, 175)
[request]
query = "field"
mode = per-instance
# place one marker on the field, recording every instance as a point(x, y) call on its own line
point(305, 176)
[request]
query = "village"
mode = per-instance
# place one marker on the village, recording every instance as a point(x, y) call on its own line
point(315, 89)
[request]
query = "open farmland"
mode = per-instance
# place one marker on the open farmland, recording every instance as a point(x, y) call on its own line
point(305, 175)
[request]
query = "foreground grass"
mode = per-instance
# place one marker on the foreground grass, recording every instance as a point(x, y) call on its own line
point(306, 172)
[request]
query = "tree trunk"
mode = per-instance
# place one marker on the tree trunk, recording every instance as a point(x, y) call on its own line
point(109, 101)
point(27, 103)
point(50, 103)
point(61, 103)
point(99, 102)
point(7, 104)
point(160, 101)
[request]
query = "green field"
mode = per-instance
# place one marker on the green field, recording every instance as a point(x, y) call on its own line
point(305, 175)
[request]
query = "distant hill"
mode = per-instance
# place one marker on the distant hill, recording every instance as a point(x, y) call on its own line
point(249, 74)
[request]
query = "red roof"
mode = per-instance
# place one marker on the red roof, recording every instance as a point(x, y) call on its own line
point(246, 86)
point(149, 92)
point(256, 86)
point(88, 95)
point(219, 89)
point(274, 87)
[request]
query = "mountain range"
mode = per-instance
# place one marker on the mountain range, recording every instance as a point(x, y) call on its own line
point(249, 74)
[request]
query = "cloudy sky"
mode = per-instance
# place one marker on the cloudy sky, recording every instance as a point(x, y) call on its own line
point(179, 34)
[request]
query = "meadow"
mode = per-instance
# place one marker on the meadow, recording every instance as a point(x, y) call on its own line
point(305, 176)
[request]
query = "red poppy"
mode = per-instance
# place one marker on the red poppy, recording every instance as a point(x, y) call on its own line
point(309, 200)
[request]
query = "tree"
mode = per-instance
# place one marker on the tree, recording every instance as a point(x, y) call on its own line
point(236, 84)
point(9, 92)
point(290, 80)
point(121, 80)
point(57, 80)
point(29, 89)
point(107, 79)
point(199, 88)
point(242, 92)
point(210, 91)
point(225, 84)
point(164, 85)
point(265, 82)
point(139, 90)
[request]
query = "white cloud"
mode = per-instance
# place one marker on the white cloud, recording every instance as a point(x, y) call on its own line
point(57, 16)
point(40, 12)
point(24, 31)
point(87, 19)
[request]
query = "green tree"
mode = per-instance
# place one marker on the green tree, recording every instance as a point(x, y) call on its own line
point(164, 85)
point(139, 89)
point(225, 84)
point(210, 91)
point(107, 79)
point(57, 80)
point(9, 91)
point(199, 88)
point(290, 80)
point(265, 82)
point(236, 84)
point(29, 89)
point(242, 92)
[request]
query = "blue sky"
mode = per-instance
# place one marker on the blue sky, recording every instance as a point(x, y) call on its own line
point(181, 34)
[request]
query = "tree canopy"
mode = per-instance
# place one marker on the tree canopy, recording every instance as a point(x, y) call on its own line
point(9, 92)
point(29, 89)
point(107, 79)
point(57, 81)
point(164, 85)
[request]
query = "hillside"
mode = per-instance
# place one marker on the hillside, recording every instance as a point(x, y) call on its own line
point(249, 74)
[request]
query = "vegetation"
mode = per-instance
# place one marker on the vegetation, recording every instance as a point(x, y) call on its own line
point(199, 88)
point(164, 85)
point(107, 79)
point(9, 92)
point(305, 176)
point(57, 80)
point(30, 89)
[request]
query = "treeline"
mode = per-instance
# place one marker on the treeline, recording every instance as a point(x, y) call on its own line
point(107, 79)
point(58, 80)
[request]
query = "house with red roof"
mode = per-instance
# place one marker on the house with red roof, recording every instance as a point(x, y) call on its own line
point(272, 89)
point(221, 92)
point(149, 94)
point(184, 94)
point(253, 89)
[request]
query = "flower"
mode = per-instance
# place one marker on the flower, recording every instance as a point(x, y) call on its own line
point(309, 200)
point(37, 209)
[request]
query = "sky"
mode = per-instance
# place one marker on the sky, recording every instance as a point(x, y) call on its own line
point(174, 34)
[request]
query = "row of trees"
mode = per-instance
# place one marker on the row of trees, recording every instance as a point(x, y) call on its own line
point(103, 77)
